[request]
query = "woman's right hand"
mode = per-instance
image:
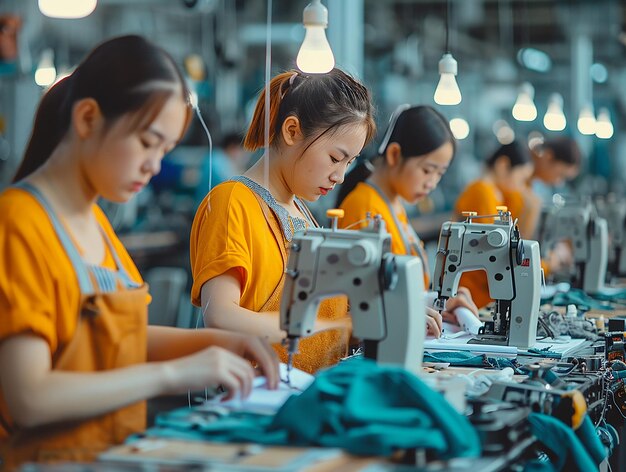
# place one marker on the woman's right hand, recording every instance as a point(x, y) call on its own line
point(434, 322)
point(210, 367)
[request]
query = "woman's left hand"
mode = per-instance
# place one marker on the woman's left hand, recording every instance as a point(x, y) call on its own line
point(463, 299)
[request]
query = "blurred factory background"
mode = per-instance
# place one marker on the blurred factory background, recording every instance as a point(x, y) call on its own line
point(565, 57)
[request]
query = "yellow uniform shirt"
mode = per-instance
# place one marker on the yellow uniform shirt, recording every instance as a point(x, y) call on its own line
point(364, 199)
point(483, 198)
point(39, 291)
point(230, 232)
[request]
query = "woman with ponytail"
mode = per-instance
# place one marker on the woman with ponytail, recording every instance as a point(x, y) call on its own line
point(77, 359)
point(240, 237)
point(504, 182)
point(414, 154)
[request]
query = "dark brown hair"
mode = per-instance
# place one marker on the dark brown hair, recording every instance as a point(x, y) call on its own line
point(321, 102)
point(124, 75)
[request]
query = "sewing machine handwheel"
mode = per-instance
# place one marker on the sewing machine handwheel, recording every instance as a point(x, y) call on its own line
point(519, 252)
point(388, 272)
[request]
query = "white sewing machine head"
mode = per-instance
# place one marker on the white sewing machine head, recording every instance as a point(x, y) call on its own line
point(613, 209)
point(579, 224)
point(385, 291)
point(513, 268)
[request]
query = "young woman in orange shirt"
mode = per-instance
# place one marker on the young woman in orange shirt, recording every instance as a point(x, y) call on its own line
point(414, 154)
point(240, 237)
point(77, 358)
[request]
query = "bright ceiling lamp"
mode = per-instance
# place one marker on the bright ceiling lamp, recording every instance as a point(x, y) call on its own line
point(67, 8)
point(554, 119)
point(586, 120)
point(524, 108)
point(504, 133)
point(460, 128)
point(447, 92)
point(315, 55)
point(604, 127)
point(46, 73)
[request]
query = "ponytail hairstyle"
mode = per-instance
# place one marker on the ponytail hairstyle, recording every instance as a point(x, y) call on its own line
point(517, 153)
point(321, 102)
point(124, 75)
point(418, 130)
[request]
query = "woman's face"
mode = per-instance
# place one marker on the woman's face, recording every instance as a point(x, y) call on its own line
point(313, 171)
point(120, 163)
point(512, 178)
point(415, 177)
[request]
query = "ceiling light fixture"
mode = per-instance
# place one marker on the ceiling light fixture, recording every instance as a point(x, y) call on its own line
point(524, 108)
point(586, 120)
point(69, 9)
point(554, 119)
point(46, 72)
point(604, 127)
point(447, 92)
point(315, 55)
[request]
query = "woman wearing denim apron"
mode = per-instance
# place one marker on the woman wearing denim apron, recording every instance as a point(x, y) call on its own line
point(77, 358)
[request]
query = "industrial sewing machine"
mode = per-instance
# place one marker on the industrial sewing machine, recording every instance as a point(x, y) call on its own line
point(588, 234)
point(613, 209)
point(385, 290)
point(513, 268)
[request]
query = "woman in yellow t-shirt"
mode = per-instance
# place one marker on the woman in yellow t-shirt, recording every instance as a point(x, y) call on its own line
point(503, 183)
point(241, 233)
point(77, 359)
point(415, 152)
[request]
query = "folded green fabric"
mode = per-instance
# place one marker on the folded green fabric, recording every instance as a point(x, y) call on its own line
point(357, 405)
point(571, 452)
point(582, 300)
point(469, 359)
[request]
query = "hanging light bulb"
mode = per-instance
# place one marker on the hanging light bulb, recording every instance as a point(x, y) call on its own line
point(67, 8)
point(46, 73)
point(315, 55)
point(524, 108)
point(504, 133)
point(447, 92)
point(554, 119)
point(586, 120)
point(460, 128)
point(604, 127)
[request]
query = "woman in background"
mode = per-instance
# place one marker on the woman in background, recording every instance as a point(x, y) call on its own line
point(507, 171)
point(415, 153)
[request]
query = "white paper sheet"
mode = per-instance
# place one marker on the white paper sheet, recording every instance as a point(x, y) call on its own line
point(263, 400)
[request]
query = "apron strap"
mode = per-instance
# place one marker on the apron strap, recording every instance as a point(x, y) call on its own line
point(410, 246)
point(82, 273)
point(273, 302)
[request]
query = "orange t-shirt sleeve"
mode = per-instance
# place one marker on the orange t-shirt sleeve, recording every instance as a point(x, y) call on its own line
point(26, 284)
point(479, 197)
point(29, 273)
point(221, 237)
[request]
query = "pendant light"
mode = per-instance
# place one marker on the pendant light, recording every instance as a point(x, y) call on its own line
point(67, 8)
point(524, 108)
point(604, 127)
point(447, 92)
point(586, 120)
point(315, 55)
point(554, 119)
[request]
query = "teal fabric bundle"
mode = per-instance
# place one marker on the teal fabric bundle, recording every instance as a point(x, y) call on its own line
point(469, 359)
point(357, 405)
point(582, 301)
point(571, 451)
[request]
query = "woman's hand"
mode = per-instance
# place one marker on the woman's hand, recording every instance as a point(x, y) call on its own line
point(463, 299)
point(433, 322)
point(210, 367)
point(256, 350)
point(560, 257)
